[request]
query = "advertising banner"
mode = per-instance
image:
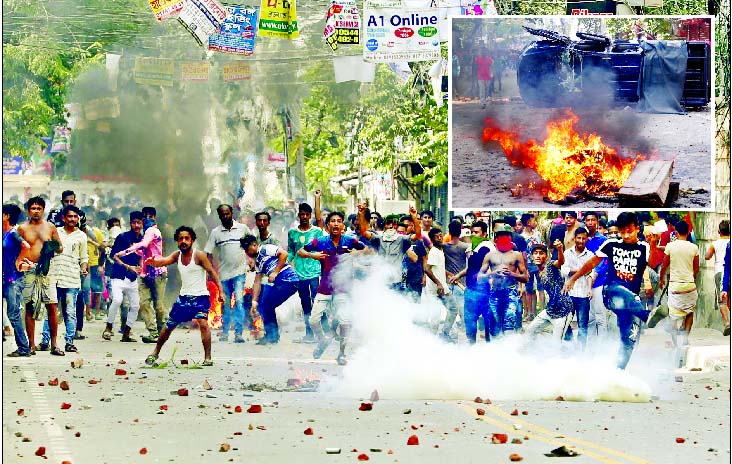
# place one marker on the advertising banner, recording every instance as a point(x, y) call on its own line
point(237, 32)
point(395, 32)
point(196, 71)
point(202, 18)
point(343, 25)
point(278, 19)
point(237, 71)
point(154, 71)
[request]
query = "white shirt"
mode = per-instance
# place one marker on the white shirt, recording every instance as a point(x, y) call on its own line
point(66, 267)
point(436, 260)
point(720, 247)
point(573, 261)
point(225, 242)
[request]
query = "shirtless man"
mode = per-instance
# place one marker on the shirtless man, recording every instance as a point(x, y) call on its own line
point(505, 268)
point(35, 262)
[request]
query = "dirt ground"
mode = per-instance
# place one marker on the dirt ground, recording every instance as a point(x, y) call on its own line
point(481, 174)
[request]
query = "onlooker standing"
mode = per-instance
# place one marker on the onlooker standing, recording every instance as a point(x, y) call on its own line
point(574, 259)
point(483, 63)
point(456, 258)
point(232, 269)
point(67, 269)
point(13, 279)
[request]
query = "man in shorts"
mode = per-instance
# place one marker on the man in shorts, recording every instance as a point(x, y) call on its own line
point(35, 262)
point(193, 299)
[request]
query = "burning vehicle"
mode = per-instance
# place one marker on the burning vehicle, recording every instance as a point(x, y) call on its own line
point(658, 76)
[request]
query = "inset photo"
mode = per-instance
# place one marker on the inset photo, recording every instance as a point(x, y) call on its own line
point(599, 112)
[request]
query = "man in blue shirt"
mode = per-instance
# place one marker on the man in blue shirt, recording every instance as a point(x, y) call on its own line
point(597, 324)
point(329, 250)
point(124, 277)
point(13, 279)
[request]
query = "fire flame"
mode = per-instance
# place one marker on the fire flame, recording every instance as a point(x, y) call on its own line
point(215, 318)
point(567, 160)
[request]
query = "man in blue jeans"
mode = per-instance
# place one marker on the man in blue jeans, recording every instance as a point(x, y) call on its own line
point(476, 290)
point(281, 284)
point(574, 259)
point(232, 267)
point(13, 279)
point(308, 270)
point(505, 268)
point(628, 259)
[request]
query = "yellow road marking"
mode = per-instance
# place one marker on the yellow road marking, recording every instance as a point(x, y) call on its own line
point(579, 441)
point(551, 441)
point(533, 431)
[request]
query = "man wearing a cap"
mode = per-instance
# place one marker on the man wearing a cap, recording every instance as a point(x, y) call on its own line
point(504, 268)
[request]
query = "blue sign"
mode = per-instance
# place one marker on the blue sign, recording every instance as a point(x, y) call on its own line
point(372, 44)
point(12, 165)
point(237, 32)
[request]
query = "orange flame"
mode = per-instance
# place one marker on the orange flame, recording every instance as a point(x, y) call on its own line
point(215, 319)
point(567, 159)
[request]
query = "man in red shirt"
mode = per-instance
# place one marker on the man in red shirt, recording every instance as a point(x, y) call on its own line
point(483, 64)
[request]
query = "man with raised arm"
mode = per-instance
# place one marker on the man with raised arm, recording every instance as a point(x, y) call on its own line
point(193, 298)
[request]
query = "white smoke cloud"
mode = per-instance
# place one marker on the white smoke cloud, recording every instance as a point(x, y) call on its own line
point(402, 360)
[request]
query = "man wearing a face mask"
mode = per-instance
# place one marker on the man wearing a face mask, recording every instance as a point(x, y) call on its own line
point(152, 280)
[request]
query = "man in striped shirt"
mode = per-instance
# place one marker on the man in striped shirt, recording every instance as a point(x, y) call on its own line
point(67, 269)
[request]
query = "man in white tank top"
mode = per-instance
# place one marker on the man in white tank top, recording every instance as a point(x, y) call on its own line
point(193, 299)
point(716, 250)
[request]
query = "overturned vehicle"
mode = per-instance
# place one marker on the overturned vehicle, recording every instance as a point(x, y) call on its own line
point(657, 76)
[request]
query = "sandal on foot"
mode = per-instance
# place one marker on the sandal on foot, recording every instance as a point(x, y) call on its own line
point(56, 352)
point(107, 335)
point(207, 362)
point(150, 360)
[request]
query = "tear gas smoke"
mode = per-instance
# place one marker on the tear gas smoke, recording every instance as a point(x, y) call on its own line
point(403, 360)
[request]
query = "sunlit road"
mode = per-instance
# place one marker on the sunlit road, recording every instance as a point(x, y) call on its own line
point(120, 417)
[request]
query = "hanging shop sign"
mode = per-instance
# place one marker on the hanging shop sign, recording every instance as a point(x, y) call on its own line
point(395, 32)
point(237, 32)
point(237, 71)
point(197, 71)
point(278, 19)
point(343, 25)
point(166, 9)
point(202, 18)
point(154, 71)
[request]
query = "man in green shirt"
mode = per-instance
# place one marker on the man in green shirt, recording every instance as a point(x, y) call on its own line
point(308, 270)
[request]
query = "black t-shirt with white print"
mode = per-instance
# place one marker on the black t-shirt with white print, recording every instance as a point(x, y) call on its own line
point(627, 262)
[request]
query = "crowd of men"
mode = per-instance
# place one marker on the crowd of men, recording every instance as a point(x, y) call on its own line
point(581, 276)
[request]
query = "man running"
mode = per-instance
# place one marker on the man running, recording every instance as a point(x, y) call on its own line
point(328, 250)
point(628, 259)
point(598, 314)
point(682, 258)
point(193, 298)
point(308, 270)
point(232, 265)
point(35, 262)
point(505, 268)
point(282, 283)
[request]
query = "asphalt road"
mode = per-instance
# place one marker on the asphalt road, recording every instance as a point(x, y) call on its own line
point(112, 420)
